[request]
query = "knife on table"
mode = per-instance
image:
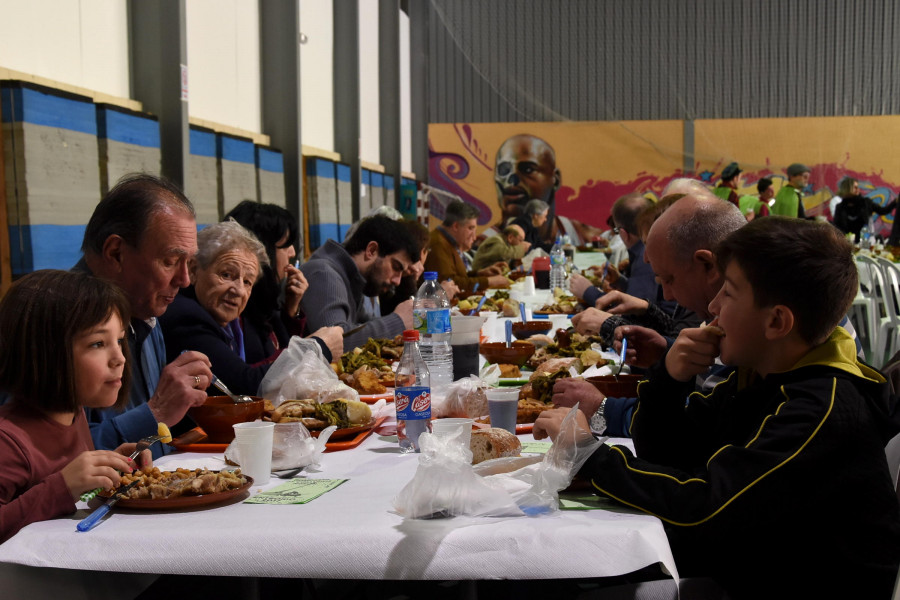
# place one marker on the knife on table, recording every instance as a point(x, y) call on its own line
point(91, 520)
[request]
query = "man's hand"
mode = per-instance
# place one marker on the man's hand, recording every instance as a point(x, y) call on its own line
point(294, 289)
point(693, 353)
point(450, 288)
point(405, 311)
point(578, 284)
point(619, 303)
point(549, 422)
point(498, 281)
point(333, 338)
point(181, 386)
point(588, 321)
point(494, 269)
point(645, 346)
point(568, 391)
point(526, 247)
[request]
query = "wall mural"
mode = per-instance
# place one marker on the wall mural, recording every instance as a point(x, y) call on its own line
point(581, 168)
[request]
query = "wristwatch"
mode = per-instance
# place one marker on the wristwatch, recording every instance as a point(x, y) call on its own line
point(598, 419)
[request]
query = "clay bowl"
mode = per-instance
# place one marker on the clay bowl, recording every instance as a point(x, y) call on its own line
point(527, 329)
point(497, 352)
point(624, 387)
point(217, 415)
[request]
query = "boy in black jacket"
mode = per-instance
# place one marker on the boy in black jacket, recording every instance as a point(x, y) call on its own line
point(775, 484)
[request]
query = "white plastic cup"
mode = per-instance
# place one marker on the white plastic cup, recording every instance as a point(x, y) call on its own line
point(254, 449)
point(450, 427)
point(503, 404)
point(528, 285)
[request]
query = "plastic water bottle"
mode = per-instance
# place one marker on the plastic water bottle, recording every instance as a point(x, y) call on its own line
point(557, 265)
point(431, 318)
point(865, 237)
point(412, 394)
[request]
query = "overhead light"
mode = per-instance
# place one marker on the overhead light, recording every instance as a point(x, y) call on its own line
point(303, 38)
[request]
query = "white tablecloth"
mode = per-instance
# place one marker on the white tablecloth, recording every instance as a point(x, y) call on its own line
point(349, 533)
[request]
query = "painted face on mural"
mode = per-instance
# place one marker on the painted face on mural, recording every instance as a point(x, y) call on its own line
point(525, 170)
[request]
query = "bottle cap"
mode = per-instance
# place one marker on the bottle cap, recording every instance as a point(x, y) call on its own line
point(411, 335)
point(429, 275)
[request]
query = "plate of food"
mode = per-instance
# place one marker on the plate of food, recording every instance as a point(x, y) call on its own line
point(373, 398)
point(181, 488)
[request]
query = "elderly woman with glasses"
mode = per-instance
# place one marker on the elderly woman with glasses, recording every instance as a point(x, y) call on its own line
point(206, 315)
point(533, 218)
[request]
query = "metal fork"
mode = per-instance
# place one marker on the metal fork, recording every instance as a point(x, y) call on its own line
point(144, 444)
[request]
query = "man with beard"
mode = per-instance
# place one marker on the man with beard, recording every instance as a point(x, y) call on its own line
point(369, 263)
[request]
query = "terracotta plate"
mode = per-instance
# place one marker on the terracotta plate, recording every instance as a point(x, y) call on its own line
point(184, 501)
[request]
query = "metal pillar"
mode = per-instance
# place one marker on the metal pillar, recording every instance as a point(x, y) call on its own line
point(419, 17)
point(346, 92)
point(279, 38)
point(159, 78)
point(389, 89)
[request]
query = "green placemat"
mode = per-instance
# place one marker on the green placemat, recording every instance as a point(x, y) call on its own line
point(535, 447)
point(296, 491)
point(587, 501)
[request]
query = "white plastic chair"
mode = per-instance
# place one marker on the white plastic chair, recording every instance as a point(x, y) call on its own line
point(890, 342)
point(885, 324)
point(864, 310)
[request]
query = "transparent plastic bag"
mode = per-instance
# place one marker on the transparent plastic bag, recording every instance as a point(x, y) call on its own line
point(292, 446)
point(301, 372)
point(464, 398)
point(446, 484)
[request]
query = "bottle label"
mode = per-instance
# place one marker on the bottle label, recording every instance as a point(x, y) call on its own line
point(438, 321)
point(412, 403)
point(420, 321)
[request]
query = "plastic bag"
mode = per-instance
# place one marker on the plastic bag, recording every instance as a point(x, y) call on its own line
point(292, 446)
point(465, 398)
point(446, 484)
point(301, 372)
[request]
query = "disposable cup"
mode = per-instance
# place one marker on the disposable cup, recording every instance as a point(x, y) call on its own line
point(528, 287)
point(466, 324)
point(450, 427)
point(503, 404)
point(254, 449)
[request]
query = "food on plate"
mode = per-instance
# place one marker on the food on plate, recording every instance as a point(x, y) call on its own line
point(358, 357)
point(541, 340)
point(553, 365)
point(315, 416)
point(570, 344)
point(158, 485)
point(493, 443)
point(510, 308)
point(509, 371)
point(368, 380)
point(540, 387)
point(388, 349)
point(530, 409)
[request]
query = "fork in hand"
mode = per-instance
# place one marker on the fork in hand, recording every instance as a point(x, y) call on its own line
point(142, 445)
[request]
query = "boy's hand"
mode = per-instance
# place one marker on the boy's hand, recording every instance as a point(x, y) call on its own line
point(693, 353)
point(645, 346)
point(550, 421)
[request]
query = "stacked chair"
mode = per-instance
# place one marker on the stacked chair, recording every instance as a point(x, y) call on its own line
point(875, 312)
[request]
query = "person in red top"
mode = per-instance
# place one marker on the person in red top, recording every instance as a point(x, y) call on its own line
point(63, 348)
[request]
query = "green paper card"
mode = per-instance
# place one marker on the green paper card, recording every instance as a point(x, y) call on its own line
point(535, 447)
point(296, 491)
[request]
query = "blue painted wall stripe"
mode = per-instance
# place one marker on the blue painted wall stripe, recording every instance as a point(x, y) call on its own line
point(342, 232)
point(203, 143)
point(31, 106)
point(366, 177)
point(127, 128)
point(388, 183)
point(343, 172)
point(320, 167)
point(45, 247)
point(318, 234)
point(377, 179)
point(236, 150)
point(269, 160)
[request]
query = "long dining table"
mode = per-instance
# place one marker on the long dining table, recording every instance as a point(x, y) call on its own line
point(350, 532)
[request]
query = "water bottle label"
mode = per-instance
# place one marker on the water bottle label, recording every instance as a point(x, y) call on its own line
point(438, 321)
point(420, 321)
point(412, 403)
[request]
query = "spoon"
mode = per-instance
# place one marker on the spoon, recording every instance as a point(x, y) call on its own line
point(622, 357)
point(480, 304)
point(522, 311)
point(508, 333)
point(236, 399)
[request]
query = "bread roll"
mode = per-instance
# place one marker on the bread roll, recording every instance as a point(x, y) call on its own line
point(493, 443)
point(553, 365)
